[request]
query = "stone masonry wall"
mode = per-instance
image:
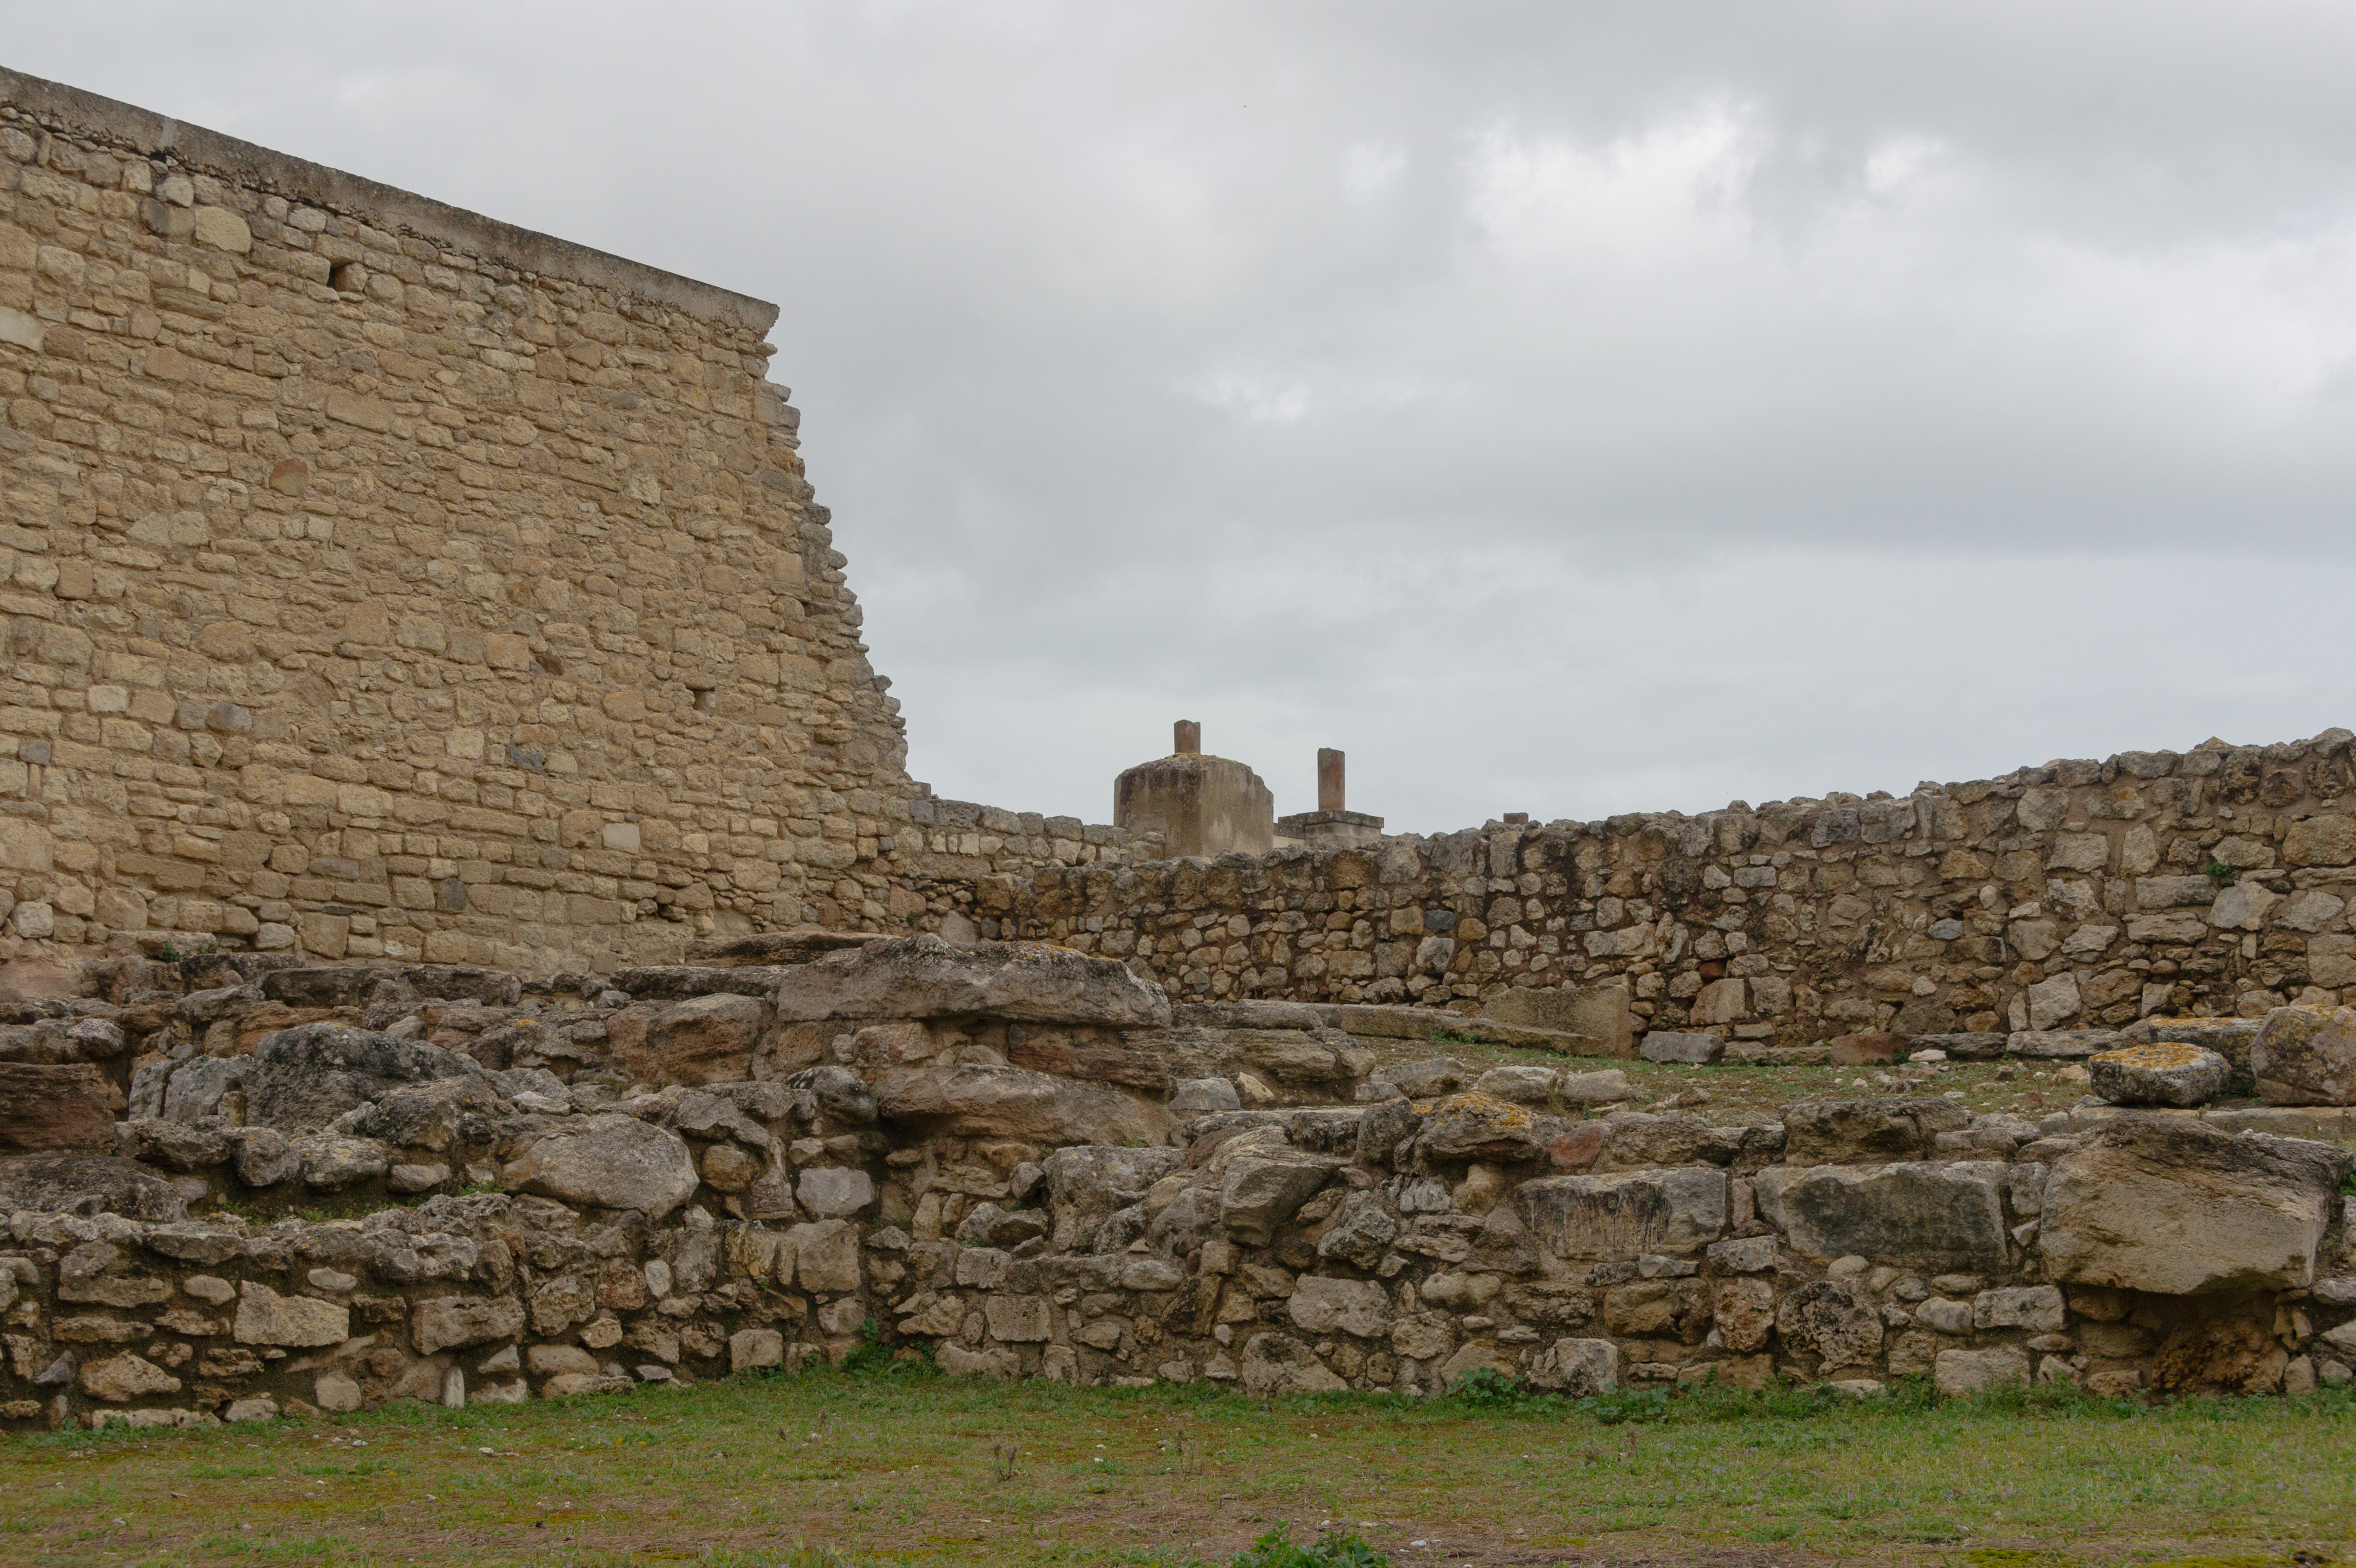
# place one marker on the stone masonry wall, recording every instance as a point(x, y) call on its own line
point(2078, 894)
point(387, 580)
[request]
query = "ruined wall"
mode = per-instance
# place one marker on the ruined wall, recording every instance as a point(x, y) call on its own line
point(954, 855)
point(2077, 894)
point(389, 581)
point(547, 1191)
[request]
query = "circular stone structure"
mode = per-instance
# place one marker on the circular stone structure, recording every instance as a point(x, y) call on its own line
point(2166, 1073)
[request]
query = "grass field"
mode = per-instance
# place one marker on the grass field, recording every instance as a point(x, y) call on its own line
point(827, 1469)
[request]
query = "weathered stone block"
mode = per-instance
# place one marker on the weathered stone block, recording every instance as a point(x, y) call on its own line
point(1917, 1215)
point(1602, 1217)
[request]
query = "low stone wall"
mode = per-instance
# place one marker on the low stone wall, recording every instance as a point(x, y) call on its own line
point(2079, 894)
point(668, 1175)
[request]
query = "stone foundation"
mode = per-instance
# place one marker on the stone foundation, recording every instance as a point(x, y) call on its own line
point(997, 1157)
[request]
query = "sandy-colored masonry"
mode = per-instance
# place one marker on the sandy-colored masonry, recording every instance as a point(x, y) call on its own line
point(385, 579)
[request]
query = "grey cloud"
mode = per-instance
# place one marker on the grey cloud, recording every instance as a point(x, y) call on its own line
point(1566, 408)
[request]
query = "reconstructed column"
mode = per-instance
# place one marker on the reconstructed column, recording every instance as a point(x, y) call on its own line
point(1332, 825)
point(1186, 738)
point(1329, 779)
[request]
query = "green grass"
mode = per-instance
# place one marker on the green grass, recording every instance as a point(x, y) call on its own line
point(902, 1466)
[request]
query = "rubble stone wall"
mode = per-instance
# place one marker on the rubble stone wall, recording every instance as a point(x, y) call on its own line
point(985, 1155)
point(388, 580)
point(2079, 894)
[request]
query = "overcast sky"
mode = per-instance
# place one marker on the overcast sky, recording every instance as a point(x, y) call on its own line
point(1563, 408)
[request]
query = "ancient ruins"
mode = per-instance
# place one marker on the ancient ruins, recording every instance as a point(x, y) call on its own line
point(467, 932)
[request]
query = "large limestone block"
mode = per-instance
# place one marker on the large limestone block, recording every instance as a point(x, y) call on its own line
point(1858, 1132)
point(2164, 1204)
point(304, 1078)
point(1600, 1012)
point(48, 1107)
point(984, 1101)
point(826, 1256)
point(1675, 1045)
point(446, 1321)
point(609, 1161)
point(1086, 1183)
point(2161, 1073)
point(87, 1184)
point(198, 1087)
point(1322, 1305)
point(706, 1040)
point(1475, 1126)
point(2326, 840)
point(1919, 1215)
point(679, 982)
point(1264, 1189)
point(924, 977)
point(800, 945)
point(1958, 1373)
point(2305, 1056)
point(1593, 1218)
point(265, 1318)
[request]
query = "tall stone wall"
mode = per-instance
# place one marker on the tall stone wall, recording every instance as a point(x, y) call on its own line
point(386, 580)
point(2077, 894)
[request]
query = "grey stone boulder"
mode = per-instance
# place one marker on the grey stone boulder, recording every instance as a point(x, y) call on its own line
point(1422, 1080)
point(924, 977)
point(1675, 1045)
point(608, 1162)
point(1203, 1096)
point(1362, 1233)
point(703, 1040)
point(1859, 1132)
point(1521, 1085)
point(1280, 1364)
point(1958, 1373)
point(833, 1091)
point(1601, 1088)
point(1962, 1048)
point(1264, 1188)
point(1461, 1128)
point(1824, 1319)
point(682, 982)
point(433, 1116)
point(88, 1185)
point(302, 1079)
point(1323, 1305)
point(1085, 1185)
point(2061, 1045)
point(1598, 1217)
point(201, 1087)
point(324, 985)
point(2160, 1074)
point(2305, 1056)
point(1576, 1368)
point(1913, 1214)
point(986, 1102)
point(2162, 1203)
